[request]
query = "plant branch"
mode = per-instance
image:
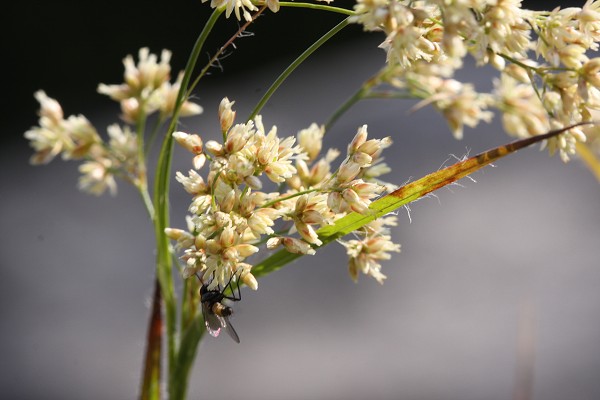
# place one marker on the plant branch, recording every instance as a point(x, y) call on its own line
point(287, 72)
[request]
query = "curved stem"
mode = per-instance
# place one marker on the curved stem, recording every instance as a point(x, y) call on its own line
point(281, 78)
point(363, 92)
point(321, 7)
point(355, 98)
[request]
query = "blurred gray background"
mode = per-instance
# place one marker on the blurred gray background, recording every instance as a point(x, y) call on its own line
point(513, 252)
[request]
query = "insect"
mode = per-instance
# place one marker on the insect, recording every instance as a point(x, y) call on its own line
point(215, 313)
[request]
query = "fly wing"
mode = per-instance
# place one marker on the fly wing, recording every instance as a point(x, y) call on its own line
point(213, 322)
point(229, 328)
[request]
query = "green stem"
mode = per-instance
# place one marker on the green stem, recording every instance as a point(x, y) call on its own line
point(352, 100)
point(321, 7)
point(177, 382)
point(280, 199)
point(143, 190)
point(153, 133)
point(362, 93)
point(281, 78)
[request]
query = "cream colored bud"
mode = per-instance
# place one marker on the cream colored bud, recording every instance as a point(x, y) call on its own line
point(212, 246)
point(49, 108)
point(350, 196)
point(199, 161)
point(578, 134)
point(312, 217)
point(297, 246)
point(370, 146)
point(319, 171)
point(200, 242)
point(311, 140)
point(222, 219)
point(334, 200)
point(301, 203)
point(188, 271)
point(348, 171)
point(496, 61)
point(517, 72)
point(228, 202)
point(189, 109)
point(591, 71)
point(227, 238)
point(359, 139)
point(173, 233)
point(192, 143)
point(250, 281)
point(246, 250)
point(214, 147)
point(226, 114)
point(302, 168)
point(236, 139)
point(254, 182)
point(308, 233)
point(131, 109)
point(274, 242)
point(362, 159)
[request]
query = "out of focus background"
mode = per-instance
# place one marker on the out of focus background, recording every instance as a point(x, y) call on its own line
point(493, 275)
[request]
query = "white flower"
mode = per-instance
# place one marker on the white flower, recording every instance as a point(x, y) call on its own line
point(147, 76)
point(236, 5)
point(311, 140)
point(97, 177)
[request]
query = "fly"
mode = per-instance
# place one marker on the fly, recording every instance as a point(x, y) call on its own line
point(216, 314)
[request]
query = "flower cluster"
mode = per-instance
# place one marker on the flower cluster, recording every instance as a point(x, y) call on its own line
point(75, 138)
point(232, 215)
point(146, 90)
point(547, 78)
point(244, 7)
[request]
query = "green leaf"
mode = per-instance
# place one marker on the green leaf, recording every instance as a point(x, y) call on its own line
point(404, 195)
point(152, 365)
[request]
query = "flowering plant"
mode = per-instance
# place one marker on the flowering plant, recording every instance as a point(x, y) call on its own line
point(255, 191)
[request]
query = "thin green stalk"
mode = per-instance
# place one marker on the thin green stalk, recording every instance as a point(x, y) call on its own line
point(352, 100)
point(321, 7)
point(147, 201)
point(176, 381)
point(362, 94)
point(281, 78)
point(153, 133)
point(291, 196)
point(141, 183)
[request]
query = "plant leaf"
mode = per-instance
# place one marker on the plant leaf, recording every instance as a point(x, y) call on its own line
point(404, 195)
point(152, 363)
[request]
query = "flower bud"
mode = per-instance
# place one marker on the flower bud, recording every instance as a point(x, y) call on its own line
point(226, 114)
point(250, 281)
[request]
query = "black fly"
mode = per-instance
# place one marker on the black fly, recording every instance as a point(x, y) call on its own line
point(215, 313)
